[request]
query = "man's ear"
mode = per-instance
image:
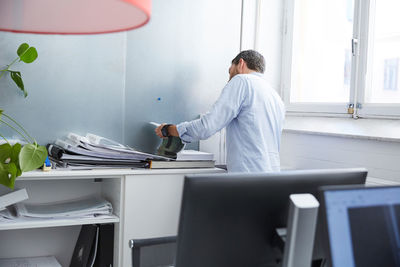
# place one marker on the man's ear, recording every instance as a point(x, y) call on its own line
point(242, 65)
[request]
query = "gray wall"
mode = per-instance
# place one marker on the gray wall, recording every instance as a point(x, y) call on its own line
point(182, 58)
point(110, 84)
point(75, 85)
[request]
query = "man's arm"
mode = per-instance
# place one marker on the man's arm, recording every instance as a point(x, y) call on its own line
point(224, 110)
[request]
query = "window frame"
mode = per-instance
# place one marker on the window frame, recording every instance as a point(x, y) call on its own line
point(386, 110)
point(362, 27)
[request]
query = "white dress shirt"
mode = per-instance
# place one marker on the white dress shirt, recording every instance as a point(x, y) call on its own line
point(253, 114)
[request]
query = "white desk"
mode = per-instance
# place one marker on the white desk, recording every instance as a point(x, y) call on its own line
point(146, 204)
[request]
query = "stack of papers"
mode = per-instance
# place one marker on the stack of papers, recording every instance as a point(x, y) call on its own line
point(49, 261)
point(86, 207)
point(92, 151)
point(186, 159)
point(185, 155)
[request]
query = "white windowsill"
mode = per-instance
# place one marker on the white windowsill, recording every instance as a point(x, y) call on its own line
point(372, 129)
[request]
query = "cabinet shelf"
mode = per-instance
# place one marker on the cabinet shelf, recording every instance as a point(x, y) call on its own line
point(27, 223)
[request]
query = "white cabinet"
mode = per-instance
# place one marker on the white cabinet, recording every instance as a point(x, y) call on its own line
point(152, 205)
point(146, 203)
point(56, 237)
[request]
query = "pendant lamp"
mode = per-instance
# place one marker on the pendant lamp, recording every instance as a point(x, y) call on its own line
point(73, 16)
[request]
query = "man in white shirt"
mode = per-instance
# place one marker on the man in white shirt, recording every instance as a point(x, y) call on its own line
point(252, 112)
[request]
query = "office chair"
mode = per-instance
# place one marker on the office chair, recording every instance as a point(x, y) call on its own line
point(137, 245)
point(164, 259)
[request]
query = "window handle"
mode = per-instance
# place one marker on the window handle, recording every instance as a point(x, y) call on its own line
point(354, 46)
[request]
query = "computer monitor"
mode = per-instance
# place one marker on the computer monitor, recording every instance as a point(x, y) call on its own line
point(229, 220)
point(363, 225)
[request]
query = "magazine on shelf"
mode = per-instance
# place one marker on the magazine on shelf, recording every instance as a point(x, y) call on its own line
point(84, 207)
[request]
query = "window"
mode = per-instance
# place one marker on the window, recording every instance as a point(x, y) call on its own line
point(347, 68)
point(391, 71)
point(341, 53)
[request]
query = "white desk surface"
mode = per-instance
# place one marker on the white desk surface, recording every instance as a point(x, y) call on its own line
point(108, 173)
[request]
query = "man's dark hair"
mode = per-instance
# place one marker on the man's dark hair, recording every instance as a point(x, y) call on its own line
point(254, 60)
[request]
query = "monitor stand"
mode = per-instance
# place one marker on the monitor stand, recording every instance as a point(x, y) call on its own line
point(302, 220)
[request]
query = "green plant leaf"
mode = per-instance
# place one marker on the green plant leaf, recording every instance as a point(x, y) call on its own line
point(15, 157)
point(8, 174)
point(4, 178)
point(9, 169)
point(15, 152)
point(5, 152)
point(31, 157)
point(29, 55)
point(16, 76)
point(22, 49)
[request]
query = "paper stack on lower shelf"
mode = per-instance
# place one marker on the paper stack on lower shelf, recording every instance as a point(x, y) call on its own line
point(86, 207)
point(47, 261)
point(88, 210)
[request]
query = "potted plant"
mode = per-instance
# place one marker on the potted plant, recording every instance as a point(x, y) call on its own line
point(17, 158)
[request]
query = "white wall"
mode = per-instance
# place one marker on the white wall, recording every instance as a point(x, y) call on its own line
point(269, 40)
point(312, 151)
point(267, 36)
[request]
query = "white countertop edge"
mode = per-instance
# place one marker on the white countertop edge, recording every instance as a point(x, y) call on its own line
point(108, 173)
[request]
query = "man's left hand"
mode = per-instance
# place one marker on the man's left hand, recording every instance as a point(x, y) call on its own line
point(172, 131)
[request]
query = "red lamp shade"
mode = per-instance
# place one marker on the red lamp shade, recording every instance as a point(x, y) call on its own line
point(73, 16)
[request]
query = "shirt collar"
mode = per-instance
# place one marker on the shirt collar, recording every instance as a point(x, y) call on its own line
point(257, 73)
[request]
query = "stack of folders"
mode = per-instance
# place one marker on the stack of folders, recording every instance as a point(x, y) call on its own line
point(186, 159)
point(93, 152)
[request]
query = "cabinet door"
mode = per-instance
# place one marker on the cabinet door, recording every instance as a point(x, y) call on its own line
point(151, 208)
